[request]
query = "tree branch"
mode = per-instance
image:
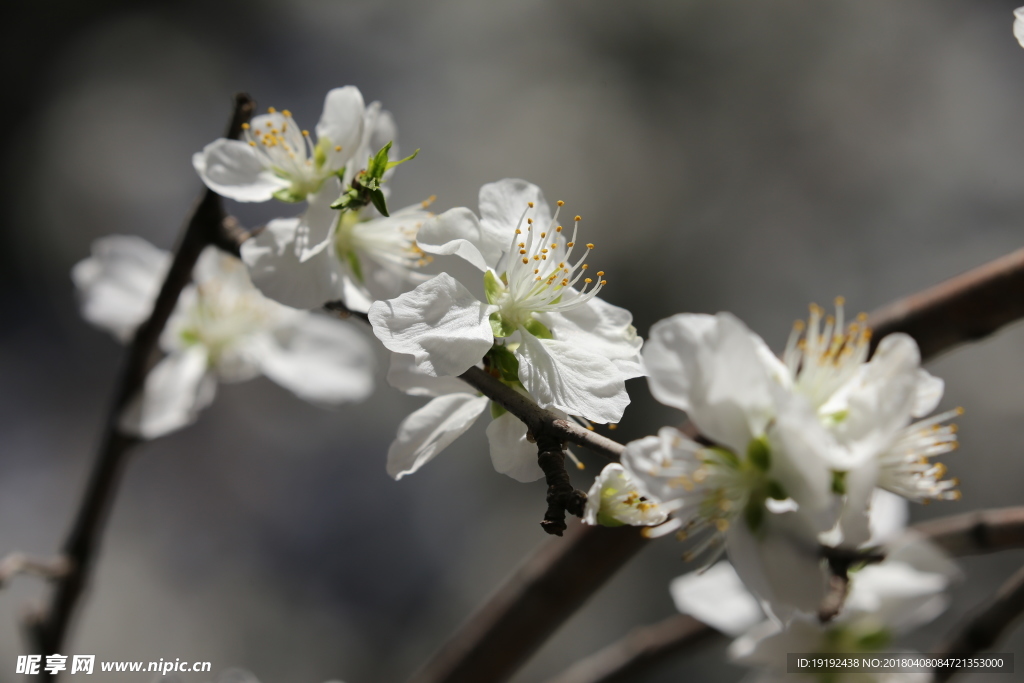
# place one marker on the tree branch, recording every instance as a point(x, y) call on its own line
point(562, 497)
point(20, 563)
point(986, 625)
point(207, 225)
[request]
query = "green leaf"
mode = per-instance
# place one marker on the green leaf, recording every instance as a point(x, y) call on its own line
point(355, 265)
point(379, 202)
point(499, 327)
point(392, 164)
point(493, 287)
point(497, 410)
point(504, 362)
point(378, 163)
point(838, 482)
point(538, 329)
point(759, 454)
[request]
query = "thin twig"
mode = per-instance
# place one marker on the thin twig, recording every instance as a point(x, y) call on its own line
point(986, 625)
point(207, 225)
point(972, 533)
point(19, 563)
point(562, 497)
point(643, 648)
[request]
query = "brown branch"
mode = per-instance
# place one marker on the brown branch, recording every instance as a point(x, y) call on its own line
point(562, 497)
point(978, 532)
point(962, 309)
point(207, 225)
point(986, 625)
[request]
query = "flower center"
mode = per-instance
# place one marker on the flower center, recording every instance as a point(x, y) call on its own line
point(540, 271)
point(390, 242)
point(287, 151)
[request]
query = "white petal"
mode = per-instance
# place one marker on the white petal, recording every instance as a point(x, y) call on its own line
point(889, 515)
point(646, 458)
point(855, 520)
point(717, 597)
point(341, 125)
point(280, 274)
point(781, 564)
point(511, 453)
point(502, 205)
point(767, 644)
point(405, 376)
point(118, 284)
point(232, 169)
point(929, 393)
point(321, 360)
point(457, 231)
point(1018, 25)
point(430, 429)
point(710, 366)
point(897, 594)
point(439, 323)
point(601, 328)
point(559, 374)
point(174, 393)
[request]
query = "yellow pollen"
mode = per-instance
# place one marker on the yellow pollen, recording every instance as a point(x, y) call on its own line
point(956, 495)
point(529, 220)
point(337, 148)
point(522, 251)
point(543, 235)
point(271, 110)
point(959, 410)
point(586, 280)
point(245, 126)
point(840, 300)
point(518, 231)
point(560, 202)
point(590, 428)
point(613, 426)
point(251, 143)
point(554, 245)
point(680, 535)
point(722, 525)
point(816, 309)
point(529, 204)
point(543, 251)
point(604, 282)
point(589, 245)
point(584, 266)
point(955, 481)
point(861, 317)
point(305, 133)
point(536, 257)
point(558, 229)
point(600, 273)
point(270, 124)
point(536, 270)
point(287, 113)
point(578, 218)
point(526, 260)
point(940, 470)
point(565, 283)
point(569, 244)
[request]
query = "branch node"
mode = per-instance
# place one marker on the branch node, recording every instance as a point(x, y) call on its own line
point(562, 497)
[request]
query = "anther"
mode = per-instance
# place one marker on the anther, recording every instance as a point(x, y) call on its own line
point(305, 133)
point(587, 280)
point(526, 260)
point(287, 113)
point(600, 273)
point(337, 148)
point(558, 229)
point(529, 220)
point(245, 126)
point(560, 202)
point(271, 110)
point(589, 245)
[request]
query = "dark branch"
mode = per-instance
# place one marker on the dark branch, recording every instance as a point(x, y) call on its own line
point(207, 225)
point(562, 497)
point(986, 625)
point(962, 309)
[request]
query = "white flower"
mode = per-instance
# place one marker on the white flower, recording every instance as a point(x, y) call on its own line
point(453, 409)
point(796, 441)
point(1018, 25)
point(222, 329)
point(328, 255)
point(616, 499)
point(278, 159)
point(573, 350)
point(906, 590)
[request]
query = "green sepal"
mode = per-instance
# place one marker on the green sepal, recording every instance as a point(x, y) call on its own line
point(754, 513)
point(604, 519)
point(354, 265)
point(838, 482)
point(497, 410)
point(493, 287)
point(504, 362)
point(775, 491)
point(726, 455)
point(378, 163)
point(379, 201)
point(392, 164)
point(286, 195)
point(759, 454)
point(190, 337)
point(538, 329)
point(499, 327)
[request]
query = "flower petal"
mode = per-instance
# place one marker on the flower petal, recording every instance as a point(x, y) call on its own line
point(717, 597)
point(600, 328)
point(174, 393)
point(511, 453)
point(429, 430)
point(341, 125)
point(559, 374)
point(440, 323)
point(118, 284)
point(320, 360)
point(232, 169)
point(405, 376)
point(281, 275)
point(929, 393)
point(711, 367)
point(457, 231)
point(502, 205)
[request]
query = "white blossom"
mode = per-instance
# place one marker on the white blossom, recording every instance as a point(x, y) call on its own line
point(278, 159)
point(222, 329)
point(454, 408)
point(616, 499)
point(1018, 25)
point(329, 255)
point(573, 351)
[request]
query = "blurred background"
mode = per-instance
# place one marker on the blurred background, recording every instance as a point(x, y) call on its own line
point(725, 155)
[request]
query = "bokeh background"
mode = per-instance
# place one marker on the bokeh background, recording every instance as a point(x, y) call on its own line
point(725, 155)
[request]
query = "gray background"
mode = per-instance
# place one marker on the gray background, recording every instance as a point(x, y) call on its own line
point(725, 155)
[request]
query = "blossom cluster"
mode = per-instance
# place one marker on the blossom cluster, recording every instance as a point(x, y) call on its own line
point(788, 457)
